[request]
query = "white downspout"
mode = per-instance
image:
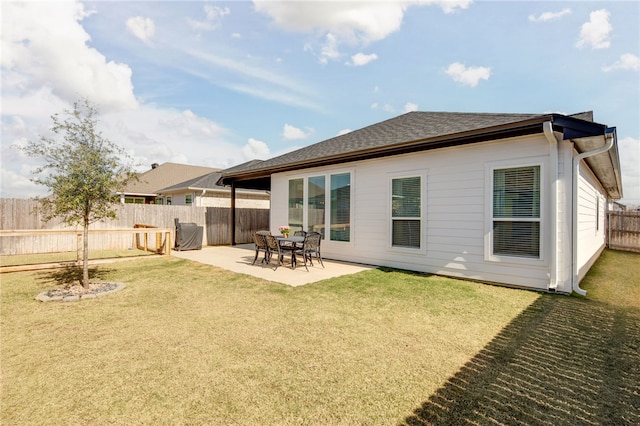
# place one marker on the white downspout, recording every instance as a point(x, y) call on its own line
point(609, 139)
point(547, 127)
point(204, 191)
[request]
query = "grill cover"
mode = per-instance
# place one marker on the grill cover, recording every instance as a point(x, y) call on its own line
point(188, 236)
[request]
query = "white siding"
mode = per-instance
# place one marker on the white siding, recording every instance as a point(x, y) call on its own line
point(243, 201)
point(590, 226)
point(456, 211)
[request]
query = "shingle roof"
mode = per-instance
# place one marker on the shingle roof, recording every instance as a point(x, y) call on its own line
point(165, 175)
point(395, 132)
point(208, 182)
point(409, 127)
point(419, 131)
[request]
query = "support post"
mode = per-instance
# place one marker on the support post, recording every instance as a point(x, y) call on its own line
point(233, 213)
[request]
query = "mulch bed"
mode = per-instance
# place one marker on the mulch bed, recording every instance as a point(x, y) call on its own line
point(75, 292)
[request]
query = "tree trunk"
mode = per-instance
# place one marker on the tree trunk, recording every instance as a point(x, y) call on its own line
point(85, 255)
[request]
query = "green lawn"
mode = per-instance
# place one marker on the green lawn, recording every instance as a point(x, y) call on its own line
point(187, 343)
point(68, 256)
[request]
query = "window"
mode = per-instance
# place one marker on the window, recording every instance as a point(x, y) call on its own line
point(134, 200)
point(296, 204)
point(406, 216)
point(340, 219)
point(316, 204)
point(328, 205)
point(168, 201)
point(516, 212)
point(159, 200)
point(188, 199)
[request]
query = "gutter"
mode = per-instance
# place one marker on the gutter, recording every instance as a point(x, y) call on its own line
point(502, 131)
point(547, 127)
point(609, 140)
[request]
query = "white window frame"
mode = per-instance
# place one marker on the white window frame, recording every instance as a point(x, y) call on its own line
point(489, 174)
point(327, 181)
point(422, 174)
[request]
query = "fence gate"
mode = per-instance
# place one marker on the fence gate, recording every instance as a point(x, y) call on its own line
point(623, 232)
point(247, 222)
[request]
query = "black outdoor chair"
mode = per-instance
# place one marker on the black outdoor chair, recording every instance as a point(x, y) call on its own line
point(311, 248)
point(300, 234)
point(275, 248)
point(259, 238)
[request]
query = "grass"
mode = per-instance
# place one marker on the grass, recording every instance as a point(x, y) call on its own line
point(615, 279)
point(68, 256)
point(562, 361)
point(187, 343)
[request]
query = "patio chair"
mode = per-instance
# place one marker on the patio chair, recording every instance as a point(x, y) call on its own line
point(300, 234)
point(259, 238)
point(275, 248)
point(311, 248)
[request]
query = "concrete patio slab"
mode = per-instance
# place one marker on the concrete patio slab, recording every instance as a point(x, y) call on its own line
point(238, 259)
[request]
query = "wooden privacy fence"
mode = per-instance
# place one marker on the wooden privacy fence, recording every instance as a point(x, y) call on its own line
point(623, 231)
point(21, 215)
point(30, 241)
point(218, 224)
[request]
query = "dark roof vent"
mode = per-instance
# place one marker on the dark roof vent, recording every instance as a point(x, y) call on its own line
point(154, 165)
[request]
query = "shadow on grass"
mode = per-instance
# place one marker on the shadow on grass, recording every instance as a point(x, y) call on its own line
point(563, 361)
point(71, 275)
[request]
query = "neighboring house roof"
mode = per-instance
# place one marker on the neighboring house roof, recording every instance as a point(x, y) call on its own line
point(165, 175)
point(418, 131)
point(207, 182)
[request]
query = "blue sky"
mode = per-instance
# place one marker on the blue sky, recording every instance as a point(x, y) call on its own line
point(220, 83)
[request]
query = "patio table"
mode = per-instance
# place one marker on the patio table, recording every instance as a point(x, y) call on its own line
point(290, 243)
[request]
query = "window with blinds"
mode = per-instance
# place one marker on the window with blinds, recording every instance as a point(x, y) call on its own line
point(516, 212)
point(340, 215)
point(296, 204)
point(406, 213)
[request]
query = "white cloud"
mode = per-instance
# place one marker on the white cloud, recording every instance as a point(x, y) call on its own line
point(45, 46)
point(595, 33)
point(628, 61)
point(216, 13)
point(548, 16)
point(344, 132)
point(410, 107)
point(255, 149)
point(213, 18)
point(629, 149)
point(469, 76)
point(260, 82)
point(385, 107)
point(329, 49)
point(47, 65)
point(357, 21)
point(351, 23)
point(360, 59)
point(290, 133)
point(143, 28)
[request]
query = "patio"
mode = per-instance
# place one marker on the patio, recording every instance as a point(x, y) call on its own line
point(238, 259)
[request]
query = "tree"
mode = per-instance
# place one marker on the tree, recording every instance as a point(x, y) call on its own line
point(83, 171)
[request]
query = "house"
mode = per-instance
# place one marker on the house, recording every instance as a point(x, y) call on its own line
point(204, 191)
point(514, 199)
point(145, 190)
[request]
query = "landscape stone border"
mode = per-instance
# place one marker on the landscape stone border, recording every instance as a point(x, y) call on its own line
point(45, 297)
